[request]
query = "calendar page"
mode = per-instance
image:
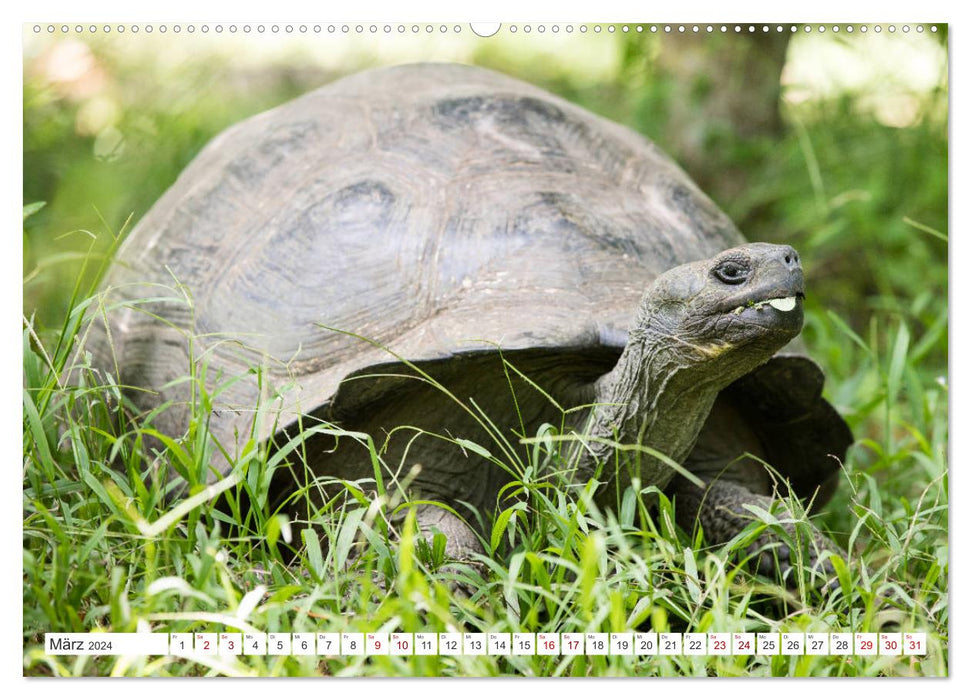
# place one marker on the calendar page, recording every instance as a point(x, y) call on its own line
point(553, 348)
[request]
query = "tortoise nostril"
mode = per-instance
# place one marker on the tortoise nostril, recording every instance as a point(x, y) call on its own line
point(790, 258)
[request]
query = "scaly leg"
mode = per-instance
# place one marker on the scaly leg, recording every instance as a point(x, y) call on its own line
point(461, 541)
point(719, 508)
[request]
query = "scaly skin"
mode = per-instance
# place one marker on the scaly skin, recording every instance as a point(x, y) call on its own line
point(461, 541)
point(719, 509)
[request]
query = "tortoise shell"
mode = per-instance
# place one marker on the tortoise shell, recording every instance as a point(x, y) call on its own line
point(437, 211)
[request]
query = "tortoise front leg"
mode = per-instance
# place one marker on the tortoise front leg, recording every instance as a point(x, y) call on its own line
point(461, 542)
point(719, 509)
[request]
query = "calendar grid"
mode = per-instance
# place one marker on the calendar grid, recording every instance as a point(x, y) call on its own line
point(356, 644)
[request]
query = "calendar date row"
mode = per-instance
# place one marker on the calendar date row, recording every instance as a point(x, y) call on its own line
point(490, 644)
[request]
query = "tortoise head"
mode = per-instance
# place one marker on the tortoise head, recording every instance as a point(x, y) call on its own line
point(734, 310)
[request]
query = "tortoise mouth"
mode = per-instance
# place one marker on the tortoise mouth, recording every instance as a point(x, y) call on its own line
point(778, 309)
point(785, 298)
point(784, 303)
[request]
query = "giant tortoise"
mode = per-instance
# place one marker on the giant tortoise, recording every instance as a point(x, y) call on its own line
point(446, 259)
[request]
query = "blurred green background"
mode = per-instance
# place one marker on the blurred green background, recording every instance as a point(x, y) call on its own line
point(833, 142)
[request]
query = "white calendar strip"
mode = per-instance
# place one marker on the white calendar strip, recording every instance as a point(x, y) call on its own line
point(490, 644)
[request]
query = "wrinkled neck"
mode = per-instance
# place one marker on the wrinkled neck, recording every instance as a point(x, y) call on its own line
point(652, 398)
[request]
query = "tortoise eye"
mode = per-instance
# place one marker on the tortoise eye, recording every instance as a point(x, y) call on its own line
point(731, 272)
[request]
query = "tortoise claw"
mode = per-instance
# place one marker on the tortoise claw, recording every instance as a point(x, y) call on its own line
point(775, 559)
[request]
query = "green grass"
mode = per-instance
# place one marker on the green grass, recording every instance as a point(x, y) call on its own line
point(104, 549)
